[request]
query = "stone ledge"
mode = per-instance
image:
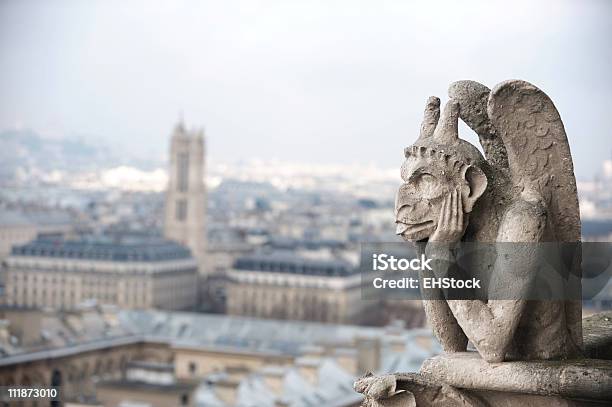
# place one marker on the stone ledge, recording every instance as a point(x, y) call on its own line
point(579, 379)
point(597, 334)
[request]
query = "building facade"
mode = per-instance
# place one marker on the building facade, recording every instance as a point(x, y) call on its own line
point(150, 384)
point(127, 272)
point(284, 285)
point(185, 208)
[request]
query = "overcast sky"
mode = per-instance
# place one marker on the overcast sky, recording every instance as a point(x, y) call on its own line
point(308, 81)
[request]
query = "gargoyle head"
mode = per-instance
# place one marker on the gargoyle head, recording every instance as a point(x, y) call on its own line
point(436, 164)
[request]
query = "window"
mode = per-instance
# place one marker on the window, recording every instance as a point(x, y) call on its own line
point(181, 210)
point(183, 172)
point(192, 368)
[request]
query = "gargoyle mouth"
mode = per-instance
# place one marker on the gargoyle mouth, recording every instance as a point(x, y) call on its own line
point(404, 228)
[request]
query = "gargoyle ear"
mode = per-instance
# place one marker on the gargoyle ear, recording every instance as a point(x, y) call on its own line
point(477, 182)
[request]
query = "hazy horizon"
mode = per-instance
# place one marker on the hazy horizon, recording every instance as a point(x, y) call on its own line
point(323, 82)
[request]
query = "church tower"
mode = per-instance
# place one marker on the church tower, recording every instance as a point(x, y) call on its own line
point(185, 208)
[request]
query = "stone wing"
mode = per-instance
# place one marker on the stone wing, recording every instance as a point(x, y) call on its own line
point(539, 157)
point(540, 164)
point(473, 98)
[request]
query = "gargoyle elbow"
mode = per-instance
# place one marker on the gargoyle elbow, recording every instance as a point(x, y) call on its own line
point(493, 357)
point(492, 353)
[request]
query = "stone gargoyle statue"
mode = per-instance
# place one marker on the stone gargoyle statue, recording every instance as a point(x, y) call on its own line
point(522, 190)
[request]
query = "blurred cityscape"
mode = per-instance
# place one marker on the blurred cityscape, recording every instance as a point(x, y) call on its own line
point(146, 262)
point(210, 285)
point(190, 283)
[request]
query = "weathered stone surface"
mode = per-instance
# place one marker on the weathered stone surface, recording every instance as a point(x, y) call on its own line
point(530, 353)
point(411, 389)
point(524, 191)
point(572, 379)
point(473, 98)
point(598, 335)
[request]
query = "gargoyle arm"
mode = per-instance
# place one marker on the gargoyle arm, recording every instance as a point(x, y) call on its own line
point(442, 321)
point(491, 325)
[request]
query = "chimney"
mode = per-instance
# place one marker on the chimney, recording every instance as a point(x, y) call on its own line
point(308, 367)
point(346, 359)
point(368, 354)
point(237, 373)
point(273, 377)
point(281, 403)
point(424, 341)
point(312, 351)
point(25, 325)
point(5, 334)
point(227, 391)
point(398, 345)
point(394, 332)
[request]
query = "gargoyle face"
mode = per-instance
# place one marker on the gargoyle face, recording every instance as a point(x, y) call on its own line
point(438, 163)
point(420, 198)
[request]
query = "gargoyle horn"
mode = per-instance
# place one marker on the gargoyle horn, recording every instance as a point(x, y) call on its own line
point(447, 130)
point(430, 117)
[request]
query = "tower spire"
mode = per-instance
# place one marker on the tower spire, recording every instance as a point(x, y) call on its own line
point(185, 209)
point(180, 125)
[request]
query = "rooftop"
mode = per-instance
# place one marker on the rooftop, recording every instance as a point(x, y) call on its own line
point(105, 248)
point(73, 332)
point(281, 242)
point(282, 261)
point(98, 328)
